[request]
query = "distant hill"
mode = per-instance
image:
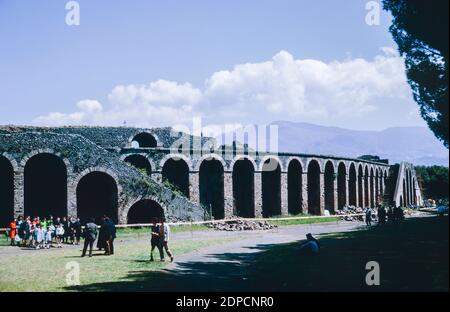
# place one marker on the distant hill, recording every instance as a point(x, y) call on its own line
point(417, 145)
point(413, 144)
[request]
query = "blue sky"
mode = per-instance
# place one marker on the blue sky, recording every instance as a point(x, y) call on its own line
point(163, 62)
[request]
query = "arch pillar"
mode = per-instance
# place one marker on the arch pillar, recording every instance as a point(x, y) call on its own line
point(258, 194)
point(335, 194)
point(284, 193)
point(347, 191)
point(304, 190)
point(18, 193)
point(322, 192)
point(194, 192)
point(228, 193)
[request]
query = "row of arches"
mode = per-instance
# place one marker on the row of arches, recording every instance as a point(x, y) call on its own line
point(409, 194)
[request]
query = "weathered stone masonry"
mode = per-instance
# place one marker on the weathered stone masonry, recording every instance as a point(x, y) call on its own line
point(161, 169)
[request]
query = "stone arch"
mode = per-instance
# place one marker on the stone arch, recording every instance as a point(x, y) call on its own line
point(211, 186)
point(139, 162)
point(243, 157)
point(183, 157)
point(175, 171)
point(144, 140)
point(211, 156)
point(342, 185)
point(6, 191)
point(270, 163)
point(97, 194)
point(294, 173)
point(271, 186)
point(414, 192)
point(314, 187)
point(404, 202)
point(318, 161)
point(377, 186)
point(45, 184)
point(244, 186)
point(352, 185)
point(144, 211)
point(329, 179)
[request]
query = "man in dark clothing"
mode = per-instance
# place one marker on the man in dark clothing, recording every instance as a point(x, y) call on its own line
point(89, 234)
point(110, 235)
point(154, 241)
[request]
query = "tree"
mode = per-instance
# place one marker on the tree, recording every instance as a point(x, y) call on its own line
point(434, 181)
point(420, 29)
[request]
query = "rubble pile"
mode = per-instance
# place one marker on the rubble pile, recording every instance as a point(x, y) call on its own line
point(352, 212)
point(241, 225)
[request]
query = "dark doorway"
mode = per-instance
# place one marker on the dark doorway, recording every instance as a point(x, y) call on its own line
point(329, 187)
point(314, 188)
point(144, 140)
point(372, 189)
point(244, 188)
point(342, 186)
point(176, 172)
point(211, 187)
point(360, 187)
point(271, 188)
point(144, 211)
point(6, 192)
point(140, 162)
point(366, 188)
point(97, 196)
point(45, 186)
point(294, 187)
point(352, 185)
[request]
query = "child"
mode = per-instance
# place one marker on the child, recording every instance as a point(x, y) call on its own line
point(163, 234)
point(48, 238)
point(37, 236)
point(52, 229)
point(59, 235)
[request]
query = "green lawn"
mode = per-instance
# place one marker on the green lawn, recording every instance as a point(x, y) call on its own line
point(44, 270)
point(303, 221)
point(412, 257)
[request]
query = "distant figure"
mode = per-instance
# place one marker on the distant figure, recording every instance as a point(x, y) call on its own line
point(381, 215)
point(77, 230)
point(163, 234)
point(59, 233)
point(89, 234)
point(368, 216)
point(101, 242)
point(398, 214)
point(154, 240)
point(311, 247)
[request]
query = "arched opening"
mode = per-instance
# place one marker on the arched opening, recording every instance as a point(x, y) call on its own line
point(414, 192)
point(144, 211)
point(352, 181)
point(97, 195)
point(140, 162)
point(360, 186)
point(401, 201)
point(342, 186)
point(45, 186)
point(372, 189)
point(271, 188)
point(6, 192)
point(212, 187)
point(366, 188)
point(329, 187)
point(314, 188)
point(144, 140)
point(175, 172)
point(294, 187)
point(243, 188)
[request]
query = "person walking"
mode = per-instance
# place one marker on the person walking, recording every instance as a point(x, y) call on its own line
point(163, 234)
point(110, 235)
point(89, 234)
point(368, 216)
point(154, 240)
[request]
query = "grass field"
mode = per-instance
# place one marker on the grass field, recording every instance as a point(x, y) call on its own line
point(44, 270)
point(413, 256)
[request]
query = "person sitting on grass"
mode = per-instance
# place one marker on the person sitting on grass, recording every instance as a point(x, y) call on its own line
point(311, 247)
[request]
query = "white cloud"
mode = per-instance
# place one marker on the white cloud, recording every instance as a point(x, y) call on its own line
point(281, 88)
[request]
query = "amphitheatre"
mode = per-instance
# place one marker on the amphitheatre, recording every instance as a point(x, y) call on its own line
point(133, 174)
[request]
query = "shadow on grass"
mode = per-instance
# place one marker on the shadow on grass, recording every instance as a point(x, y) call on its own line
point(413, 256)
